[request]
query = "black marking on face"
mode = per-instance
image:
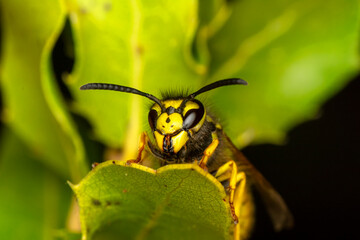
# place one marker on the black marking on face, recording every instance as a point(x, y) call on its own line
point(170, 110)
point(168, 120)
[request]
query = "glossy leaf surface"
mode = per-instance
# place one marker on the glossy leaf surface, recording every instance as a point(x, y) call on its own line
point(181, 201)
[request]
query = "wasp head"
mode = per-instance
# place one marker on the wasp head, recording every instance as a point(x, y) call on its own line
point(175, 122)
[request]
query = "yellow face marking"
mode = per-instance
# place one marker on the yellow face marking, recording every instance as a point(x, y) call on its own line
point(172, 103)
point(179, 140)
point(190, 105)
point(168, 124)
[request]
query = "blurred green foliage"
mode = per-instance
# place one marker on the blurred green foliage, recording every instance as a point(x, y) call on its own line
point(294, 54)
point(34, 199)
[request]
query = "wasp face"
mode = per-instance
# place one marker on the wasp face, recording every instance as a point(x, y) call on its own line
point(175, 122)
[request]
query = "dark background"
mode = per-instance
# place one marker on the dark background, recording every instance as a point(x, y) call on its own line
point(317, 172)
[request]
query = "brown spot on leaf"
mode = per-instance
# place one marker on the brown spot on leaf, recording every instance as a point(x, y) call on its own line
point(107, 6)
point(113, 162)
point(83, 10)
point(139, 50)
point(125, 191)
point(96, 202)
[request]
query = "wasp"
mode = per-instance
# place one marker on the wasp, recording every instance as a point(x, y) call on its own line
point(185, 132)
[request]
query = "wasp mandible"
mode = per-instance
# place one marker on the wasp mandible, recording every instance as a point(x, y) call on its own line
point(185, 132)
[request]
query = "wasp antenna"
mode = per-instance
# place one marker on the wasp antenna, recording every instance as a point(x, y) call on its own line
point(115, 87)
point(220, 83)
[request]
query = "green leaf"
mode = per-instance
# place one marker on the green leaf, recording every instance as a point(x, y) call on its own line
point(181, 201)
point(294, 54)
point(33, 106)
point(34, 200)
point(141, 44)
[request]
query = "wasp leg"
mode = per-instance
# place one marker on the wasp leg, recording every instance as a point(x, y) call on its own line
point(229, 170)
point(143, 140)
point(208, 152)
point(240, 195)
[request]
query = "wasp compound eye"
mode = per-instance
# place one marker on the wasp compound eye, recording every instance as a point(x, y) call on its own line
point(152, 118)
point(193, 117)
